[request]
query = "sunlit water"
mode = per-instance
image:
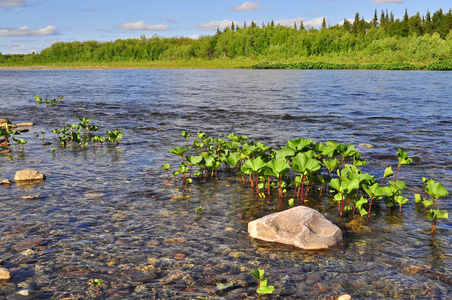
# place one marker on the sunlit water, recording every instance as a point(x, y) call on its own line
point(112, 214)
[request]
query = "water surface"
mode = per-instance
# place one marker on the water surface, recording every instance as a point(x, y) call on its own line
point(111, 213)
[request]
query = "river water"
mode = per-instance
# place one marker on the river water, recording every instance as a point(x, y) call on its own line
point(112, 214)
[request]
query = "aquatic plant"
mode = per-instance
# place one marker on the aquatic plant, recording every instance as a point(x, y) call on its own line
point(186, 136)
point(47, 101)
point(6, 133)
point(262, 287)
point(96, 283)
point(403, 160)
point(166, 168)
point(435, 190)
point(20, 142)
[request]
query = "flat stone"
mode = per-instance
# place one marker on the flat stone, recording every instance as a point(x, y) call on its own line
point(300, 226)
point(6, 182)
point(30, 197)
point(28, 175)
point(345, 297)
point(4, 274)
point(24, 124)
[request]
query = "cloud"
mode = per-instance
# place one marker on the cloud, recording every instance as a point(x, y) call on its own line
point(10, 3)
point(25, 31)
point(214, 25)
point(290, 22)
point(387, 1)
point(88, 9)
point(140, 25)
point(248, 6)
point(193, 36)
point(314, 22)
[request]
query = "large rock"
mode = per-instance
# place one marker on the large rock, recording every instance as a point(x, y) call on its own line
point(26, 175)
point(300, 226)
point(4, 274)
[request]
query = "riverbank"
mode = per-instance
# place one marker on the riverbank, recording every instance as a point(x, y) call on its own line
point(445, 65)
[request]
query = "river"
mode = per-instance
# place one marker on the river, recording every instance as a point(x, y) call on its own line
point(111, 213)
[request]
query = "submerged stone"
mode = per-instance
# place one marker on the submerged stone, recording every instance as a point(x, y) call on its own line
point(300, 226)
point(4, 274)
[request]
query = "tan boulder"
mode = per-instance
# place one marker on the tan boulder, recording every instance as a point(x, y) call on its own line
point(4, 274)
point(25, 175)
point(300, 226)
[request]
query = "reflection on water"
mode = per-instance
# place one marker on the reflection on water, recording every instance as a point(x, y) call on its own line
point(112, 213)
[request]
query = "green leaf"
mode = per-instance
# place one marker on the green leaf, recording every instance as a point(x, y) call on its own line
point(277, 168)
point(253, 165)
point(223, 286)
point(403, 157)
point(435, 190)
point(418, 198)
point(165, 167)
point(401, 200)
point(199, 209)
point(427, 203)
point(179, 151)
point(264, 290)
point(258, 274)
point(388, 172)
point(291, 202)
point(332, 164)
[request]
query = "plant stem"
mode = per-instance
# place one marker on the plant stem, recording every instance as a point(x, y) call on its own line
point(397, 171)
point(370, 206)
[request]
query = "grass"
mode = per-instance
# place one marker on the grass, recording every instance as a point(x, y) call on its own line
point(223, 63)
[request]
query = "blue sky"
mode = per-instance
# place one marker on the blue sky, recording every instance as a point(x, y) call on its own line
point(31, 25)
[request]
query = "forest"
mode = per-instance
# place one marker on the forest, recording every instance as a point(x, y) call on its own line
point(416, 40)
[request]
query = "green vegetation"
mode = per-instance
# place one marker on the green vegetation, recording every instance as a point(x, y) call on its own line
point(413, 43)
point(435, 190)
point(72, 134)
point(301, 165)
point(7, 133)
point(262, 287)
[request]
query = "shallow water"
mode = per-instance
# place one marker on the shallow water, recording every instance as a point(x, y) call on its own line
point(111, 213)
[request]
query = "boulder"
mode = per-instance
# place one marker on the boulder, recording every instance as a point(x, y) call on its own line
point(26, 175)
point(4, 274)
point(300, 226)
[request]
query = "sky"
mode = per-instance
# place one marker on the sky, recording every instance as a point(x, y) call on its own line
point(28, 26)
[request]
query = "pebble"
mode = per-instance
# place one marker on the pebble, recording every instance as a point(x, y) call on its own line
point(30, 197)
point(345, 297)
point(6, 182)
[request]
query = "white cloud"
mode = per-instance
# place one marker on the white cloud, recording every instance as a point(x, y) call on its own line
point(387, 1)
point(8, 3)
point(140, 25)
point(248, 6)
point(194, 36)
point(215, 24)
point(25, 31)
point(314, 22)
point(342, 22)
point(290, 22)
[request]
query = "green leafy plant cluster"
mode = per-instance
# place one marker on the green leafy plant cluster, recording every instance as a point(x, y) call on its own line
point(262, 287)
point(81, 133)
point(435, 190)
point(434, 66)
point(47, 101)
point(301, 165)
point(7, 133)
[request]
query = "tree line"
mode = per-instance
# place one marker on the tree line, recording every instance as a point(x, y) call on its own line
point(417, 39)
